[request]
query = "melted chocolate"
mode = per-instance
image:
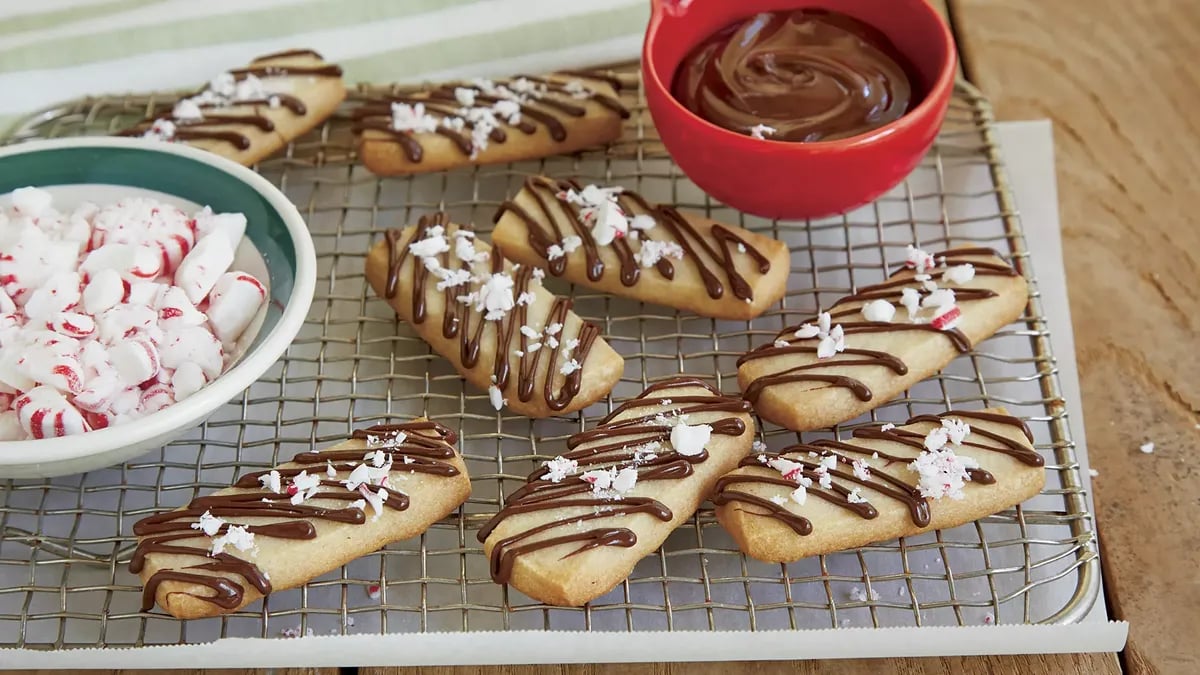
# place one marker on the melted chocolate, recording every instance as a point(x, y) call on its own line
point(810, 75)
point(565, 220)
point(189, 130)
point(463, 321)
point(441, 101)
point(889, 290)
point(540, 494)
point(427, 443)
point(890, 485)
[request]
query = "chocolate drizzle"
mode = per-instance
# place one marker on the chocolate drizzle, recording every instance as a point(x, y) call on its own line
point(880, 480)
point(545, 108)
point(565, 220)
point(424, 450)
point(463, 321)
point(199, 129)
point(611, 443)
point(851, 305)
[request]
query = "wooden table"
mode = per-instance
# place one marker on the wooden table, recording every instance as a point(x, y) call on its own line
point(1117, 79)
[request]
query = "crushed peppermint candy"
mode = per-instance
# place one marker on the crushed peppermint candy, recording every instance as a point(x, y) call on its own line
point(496, 397)
point(758, 446)
point(359, 476)
point(832, 338)
point(432, 245)
point(879, 311)
point(1093, 473)
point(959, 274)
point(271, 481)
point(412, 117)
point(793, 471)
point(782, 344)
point(800, 494)
point(496, 297)
point(306, 486)
point(646, 452)
point(910, 298)
point(1147, 448)
point(373, 591)
point(887, 427)
point(862, 470)
point(779, 500)
point(237, 536)
point(569, 367)
point(642, 222)
point(942, 473)
point(855, 496)
point(571, 243)
point(611, 483)
point(376, 498)
point(689, 440)
point(654, 250)
point(956, 429)
point(919, 260)
point(330, 470)
point(559, 468)
point(761, 131)
point(208, 524)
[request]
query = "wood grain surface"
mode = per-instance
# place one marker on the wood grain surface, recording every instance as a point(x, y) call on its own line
point(1118, 80)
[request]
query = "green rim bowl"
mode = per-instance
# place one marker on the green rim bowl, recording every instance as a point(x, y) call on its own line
point(274, 227)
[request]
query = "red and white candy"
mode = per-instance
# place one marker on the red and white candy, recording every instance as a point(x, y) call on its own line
point(233, 303)
point(202, 267)
point(100, 310)
point(45, 413)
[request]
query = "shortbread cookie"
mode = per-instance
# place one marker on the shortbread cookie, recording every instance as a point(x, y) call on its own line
point(614, 240)
point(874, 344)
point(488, 122)
point(585, 518)
point(493, 320)
point(247, 114)
point(277, 529)
point(936, 472)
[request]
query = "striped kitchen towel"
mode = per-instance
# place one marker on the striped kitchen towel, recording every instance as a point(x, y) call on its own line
point(54, 50)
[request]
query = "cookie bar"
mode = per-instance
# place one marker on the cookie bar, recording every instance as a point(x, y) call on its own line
point(936, 472)
point(249, 113)
point(277, 529)
point(493, 320)
point(614, 240)
point(871, 346)
point(585, 518)
point(488, 122)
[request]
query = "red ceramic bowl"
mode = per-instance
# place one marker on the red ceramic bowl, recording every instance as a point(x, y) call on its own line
point(786, 180)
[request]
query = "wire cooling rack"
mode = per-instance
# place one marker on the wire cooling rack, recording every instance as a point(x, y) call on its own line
point(66, 541)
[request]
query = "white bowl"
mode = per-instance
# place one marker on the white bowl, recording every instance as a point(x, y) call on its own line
point(277, 248)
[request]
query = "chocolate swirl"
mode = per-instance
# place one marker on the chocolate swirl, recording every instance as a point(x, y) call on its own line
point(547, 107)
point(463, 321)
point(851, 305)
point(566, 220)
point(621, 439)
point(201, 129)
point(890, 484)
point(810, 75)
point(424, 450)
